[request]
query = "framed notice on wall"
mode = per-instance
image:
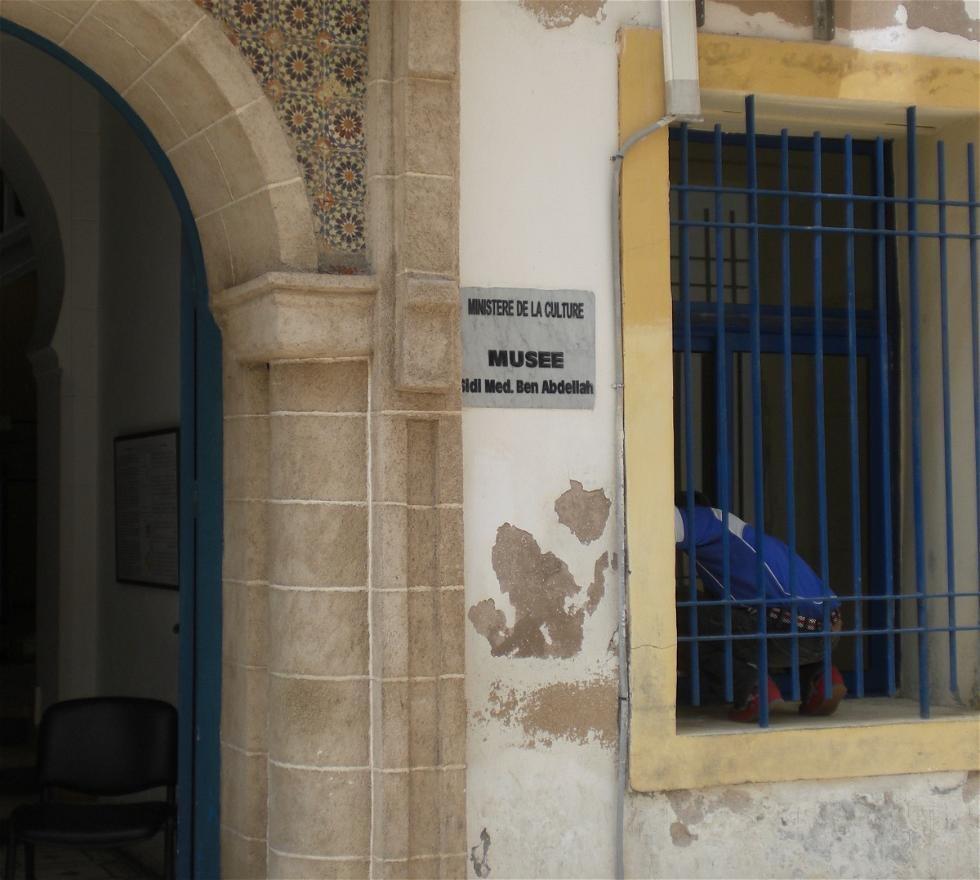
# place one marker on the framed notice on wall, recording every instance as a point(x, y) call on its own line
point(147, 508)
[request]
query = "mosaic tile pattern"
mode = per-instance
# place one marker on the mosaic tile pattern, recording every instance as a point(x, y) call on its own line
point(311, 58)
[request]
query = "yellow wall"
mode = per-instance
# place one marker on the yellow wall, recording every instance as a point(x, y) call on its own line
point(829, 82)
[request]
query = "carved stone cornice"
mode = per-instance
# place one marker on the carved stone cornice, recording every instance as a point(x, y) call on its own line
point(284, 315)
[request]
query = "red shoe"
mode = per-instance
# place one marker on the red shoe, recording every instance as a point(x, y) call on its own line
point(750, 711)
point(818, 704)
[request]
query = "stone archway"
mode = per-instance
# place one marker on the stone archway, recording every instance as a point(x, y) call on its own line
point(343, 656)
point(177, 70)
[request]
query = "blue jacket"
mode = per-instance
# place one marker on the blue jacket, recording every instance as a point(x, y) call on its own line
point(808, 589)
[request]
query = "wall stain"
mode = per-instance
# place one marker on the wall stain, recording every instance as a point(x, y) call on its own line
point(734, 800)
point(693, 807)
point(480, 866)
point(936, 789)
point(681, 835)
point(584, 512)
point(971, 786)
point(542, 590)
point(577, 711)
point(562, 13)
point(688, 806)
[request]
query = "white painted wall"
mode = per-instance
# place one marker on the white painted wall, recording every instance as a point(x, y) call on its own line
point(140, 391)
point(538, 125)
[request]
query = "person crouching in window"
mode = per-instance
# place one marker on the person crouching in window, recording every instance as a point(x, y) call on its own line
point(809, 597)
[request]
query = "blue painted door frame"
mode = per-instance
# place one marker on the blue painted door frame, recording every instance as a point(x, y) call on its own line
point(201, 513)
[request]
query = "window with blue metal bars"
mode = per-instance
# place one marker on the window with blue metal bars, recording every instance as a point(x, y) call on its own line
point(825, 349)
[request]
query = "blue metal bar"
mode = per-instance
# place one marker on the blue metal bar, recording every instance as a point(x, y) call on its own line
point(829, 197)
point(971, 172)
point(771, 142)
point(883, 403)
point(692, 550)
point(853, 416)
point(832, 230)
point(916, 392)
point(947, 415)
point(819, 397)
point(780, 602)
point(721, 426)
point(788, 411)
point(756, 378)
point(741, 637)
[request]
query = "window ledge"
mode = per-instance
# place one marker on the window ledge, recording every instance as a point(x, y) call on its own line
point(870, 737)
point(713, 720)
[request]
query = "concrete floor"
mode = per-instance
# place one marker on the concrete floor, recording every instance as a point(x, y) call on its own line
point(52, 863)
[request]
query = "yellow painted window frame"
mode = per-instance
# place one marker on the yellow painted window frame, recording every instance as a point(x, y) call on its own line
point(802, 74)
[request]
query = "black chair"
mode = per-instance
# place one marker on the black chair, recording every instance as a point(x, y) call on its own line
point(104, 746)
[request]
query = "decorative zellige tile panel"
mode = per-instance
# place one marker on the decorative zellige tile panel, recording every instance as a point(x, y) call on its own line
point(311, 58)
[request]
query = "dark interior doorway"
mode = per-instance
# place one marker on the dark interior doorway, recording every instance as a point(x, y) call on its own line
point(18, 485)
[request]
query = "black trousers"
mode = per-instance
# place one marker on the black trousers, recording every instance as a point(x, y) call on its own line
point(745, 653)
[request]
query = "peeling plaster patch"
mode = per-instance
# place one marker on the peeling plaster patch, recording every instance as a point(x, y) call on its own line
point(480, 866)
point(502, 706)
point(490, 623)
point(577, 711)
point(574, 711)
point(562, 13)
point(789, 11)
point(923, 27)
point(541, 590)
point(584, 512)
point(597, 589)
point(681, 835)
point(947, 17)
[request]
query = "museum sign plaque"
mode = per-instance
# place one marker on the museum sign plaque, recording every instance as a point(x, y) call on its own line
point(528, 348)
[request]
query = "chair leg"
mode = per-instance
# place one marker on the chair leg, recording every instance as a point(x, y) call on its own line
point(29, 861)
point(11, 861)
point(169, 868)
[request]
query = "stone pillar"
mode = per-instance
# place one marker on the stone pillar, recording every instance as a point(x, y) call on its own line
point(417, 622)
point(319, 681)
point(364, 746)
point(296, 732)
point(420, 745)
point(245, 620)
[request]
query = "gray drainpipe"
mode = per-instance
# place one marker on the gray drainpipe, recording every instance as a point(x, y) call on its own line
point(620, 493)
